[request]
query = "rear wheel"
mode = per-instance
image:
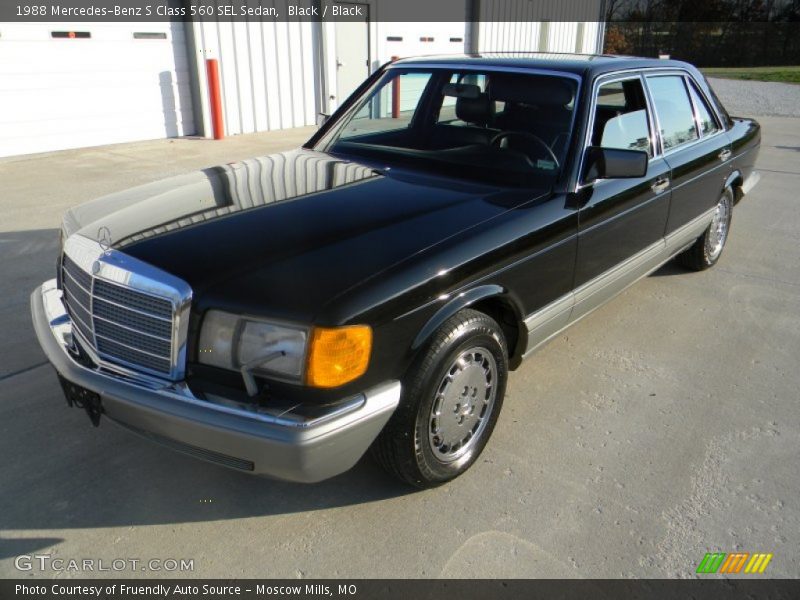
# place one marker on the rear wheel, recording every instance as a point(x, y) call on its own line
point(705, 252)
point(451, 400)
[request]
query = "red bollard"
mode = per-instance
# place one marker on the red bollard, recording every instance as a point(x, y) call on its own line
point(215, 98)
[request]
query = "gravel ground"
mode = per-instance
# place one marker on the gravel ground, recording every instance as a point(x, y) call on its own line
point(758, 98)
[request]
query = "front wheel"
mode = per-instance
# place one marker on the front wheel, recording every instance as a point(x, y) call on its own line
point(705, 252)
point(451, 400)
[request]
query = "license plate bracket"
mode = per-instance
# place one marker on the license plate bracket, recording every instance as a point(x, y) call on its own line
point(82, 398)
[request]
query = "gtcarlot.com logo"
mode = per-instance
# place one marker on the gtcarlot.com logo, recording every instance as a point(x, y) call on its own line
point(736, 562)
point(45, 562)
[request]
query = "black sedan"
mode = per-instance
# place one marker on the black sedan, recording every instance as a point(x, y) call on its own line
point(373, 289)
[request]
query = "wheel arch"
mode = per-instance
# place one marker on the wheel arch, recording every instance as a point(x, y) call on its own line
point(735, 181)
point(491, 299)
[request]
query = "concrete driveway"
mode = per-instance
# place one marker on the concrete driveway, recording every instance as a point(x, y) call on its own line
point(663, 426)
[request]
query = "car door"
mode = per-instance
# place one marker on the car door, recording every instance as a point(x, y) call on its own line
point(694, 145)
point(621, 221)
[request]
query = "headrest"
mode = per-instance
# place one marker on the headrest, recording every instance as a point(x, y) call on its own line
point(461, 90)
point(479, 111)
point(531, 90)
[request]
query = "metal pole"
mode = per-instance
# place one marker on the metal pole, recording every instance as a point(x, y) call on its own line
point(215, 98)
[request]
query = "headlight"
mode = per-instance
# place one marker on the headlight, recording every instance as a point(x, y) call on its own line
point(319, 357)
point(231, 342)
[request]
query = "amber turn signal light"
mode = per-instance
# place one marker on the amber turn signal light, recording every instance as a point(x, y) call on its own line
point(338, 356)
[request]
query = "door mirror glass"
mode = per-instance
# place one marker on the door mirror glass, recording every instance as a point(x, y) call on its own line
point(620, 116)
point(628, 131)
point(614, 163)
point(322, 118)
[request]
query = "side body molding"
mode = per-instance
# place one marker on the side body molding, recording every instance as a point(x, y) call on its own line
point(551, 320)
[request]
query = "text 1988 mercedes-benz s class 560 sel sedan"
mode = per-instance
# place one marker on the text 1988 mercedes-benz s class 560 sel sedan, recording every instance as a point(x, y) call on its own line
point(373, 288)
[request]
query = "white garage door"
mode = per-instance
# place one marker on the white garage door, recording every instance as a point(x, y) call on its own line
point(71, 85)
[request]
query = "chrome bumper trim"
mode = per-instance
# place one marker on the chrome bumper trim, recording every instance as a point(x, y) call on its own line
point(279, 444)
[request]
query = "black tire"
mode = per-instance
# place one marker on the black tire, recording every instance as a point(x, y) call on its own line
point(705, 252)
point(403, 448)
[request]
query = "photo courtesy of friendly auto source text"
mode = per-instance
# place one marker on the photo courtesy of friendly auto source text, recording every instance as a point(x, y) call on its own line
point(179, 589)
point(367, 298)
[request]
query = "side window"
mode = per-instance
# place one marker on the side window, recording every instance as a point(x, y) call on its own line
point(705, 121)
point(392, 108)
point(620, 119)
point(674, 110)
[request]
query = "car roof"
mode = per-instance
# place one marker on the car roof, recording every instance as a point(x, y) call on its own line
point(586, 65)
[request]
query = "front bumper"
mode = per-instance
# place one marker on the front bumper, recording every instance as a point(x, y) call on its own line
point(281, 445)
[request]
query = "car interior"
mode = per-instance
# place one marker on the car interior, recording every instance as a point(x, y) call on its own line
point(513, 122)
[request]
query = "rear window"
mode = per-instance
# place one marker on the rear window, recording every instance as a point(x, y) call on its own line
point(705, 121)
point(673, 109)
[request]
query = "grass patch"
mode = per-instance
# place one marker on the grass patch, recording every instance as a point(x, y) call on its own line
point(780, 74)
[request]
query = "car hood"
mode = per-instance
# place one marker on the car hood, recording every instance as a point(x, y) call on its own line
point(284, 234)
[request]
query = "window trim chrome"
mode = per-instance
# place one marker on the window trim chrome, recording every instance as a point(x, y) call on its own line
point(691, 83)
point(486, 68)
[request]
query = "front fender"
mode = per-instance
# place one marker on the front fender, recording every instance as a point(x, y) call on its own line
point(463, 300)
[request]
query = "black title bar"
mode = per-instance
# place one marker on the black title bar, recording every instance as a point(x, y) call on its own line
point(401, 10)
point(399, 589)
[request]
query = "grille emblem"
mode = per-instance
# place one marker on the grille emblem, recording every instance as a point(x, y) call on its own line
point(96, 267)
point(104, 239)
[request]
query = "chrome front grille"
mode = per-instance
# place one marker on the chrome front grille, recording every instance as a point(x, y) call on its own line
point(77, 287)
point(125, 311)
point(160, 308)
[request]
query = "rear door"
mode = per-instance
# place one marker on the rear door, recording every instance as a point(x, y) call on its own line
point(694, 146)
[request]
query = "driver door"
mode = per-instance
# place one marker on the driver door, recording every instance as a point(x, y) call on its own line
point(621, 221)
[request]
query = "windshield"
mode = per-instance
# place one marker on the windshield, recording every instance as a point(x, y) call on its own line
point(499, 127)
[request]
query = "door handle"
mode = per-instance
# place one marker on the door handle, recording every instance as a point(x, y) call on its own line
point(724, 155)
point(660, 185)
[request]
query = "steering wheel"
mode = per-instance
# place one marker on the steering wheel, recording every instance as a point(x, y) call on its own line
point(505, 134)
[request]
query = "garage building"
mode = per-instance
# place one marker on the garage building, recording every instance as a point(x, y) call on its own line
point(73, 85)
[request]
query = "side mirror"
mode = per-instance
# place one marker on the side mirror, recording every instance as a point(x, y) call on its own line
point(614, 163)
point(322, 118)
